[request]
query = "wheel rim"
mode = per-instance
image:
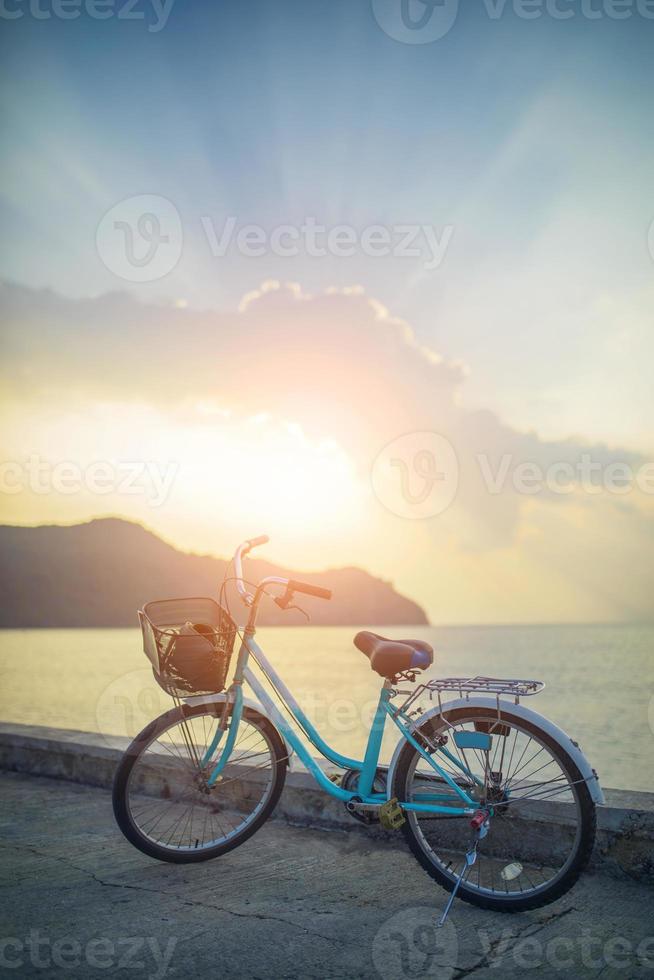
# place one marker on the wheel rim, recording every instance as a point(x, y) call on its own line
point(168, 800)
point(535, 831)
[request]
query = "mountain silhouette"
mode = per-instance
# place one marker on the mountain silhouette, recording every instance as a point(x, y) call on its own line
point(99, 573)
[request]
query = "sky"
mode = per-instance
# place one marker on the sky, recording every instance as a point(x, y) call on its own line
point(308, 271)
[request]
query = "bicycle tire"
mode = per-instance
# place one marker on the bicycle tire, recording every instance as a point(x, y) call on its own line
point(121, 786)
point(502, 903)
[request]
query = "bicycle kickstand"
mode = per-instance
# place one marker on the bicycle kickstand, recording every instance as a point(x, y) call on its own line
point(481, 823)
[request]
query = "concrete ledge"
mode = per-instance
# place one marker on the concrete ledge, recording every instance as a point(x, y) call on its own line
point(625, 838)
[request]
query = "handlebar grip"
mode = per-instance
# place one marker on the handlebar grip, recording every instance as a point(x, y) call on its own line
point(255, 542)
point(307, 589)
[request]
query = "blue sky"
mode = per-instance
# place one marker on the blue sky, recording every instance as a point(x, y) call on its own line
point(533, 139)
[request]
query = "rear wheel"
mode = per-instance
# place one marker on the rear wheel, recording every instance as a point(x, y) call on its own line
point(543, 825)
point(161, 798)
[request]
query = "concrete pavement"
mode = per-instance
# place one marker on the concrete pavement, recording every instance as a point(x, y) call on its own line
point(79, 901)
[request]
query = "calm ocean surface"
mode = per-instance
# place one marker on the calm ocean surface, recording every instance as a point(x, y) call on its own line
point(600, 682)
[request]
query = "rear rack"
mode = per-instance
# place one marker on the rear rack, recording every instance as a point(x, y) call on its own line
point(474, 685)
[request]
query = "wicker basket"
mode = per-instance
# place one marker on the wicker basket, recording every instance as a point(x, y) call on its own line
point(189, 643)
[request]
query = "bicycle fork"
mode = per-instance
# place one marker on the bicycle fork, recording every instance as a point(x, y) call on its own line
point(229, 724)
point(481, 825)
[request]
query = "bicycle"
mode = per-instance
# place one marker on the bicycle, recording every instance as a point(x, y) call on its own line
point(496, 803)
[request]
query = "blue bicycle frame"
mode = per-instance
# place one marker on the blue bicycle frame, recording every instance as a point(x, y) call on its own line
point(429, 802)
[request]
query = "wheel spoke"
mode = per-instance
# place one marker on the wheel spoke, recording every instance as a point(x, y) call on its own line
point(169, 801)
point(530, 843)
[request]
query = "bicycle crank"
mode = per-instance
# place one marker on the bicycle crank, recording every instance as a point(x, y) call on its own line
point(364, 813)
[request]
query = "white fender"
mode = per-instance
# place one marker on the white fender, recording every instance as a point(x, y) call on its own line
point(525, 714)
point(247, 703)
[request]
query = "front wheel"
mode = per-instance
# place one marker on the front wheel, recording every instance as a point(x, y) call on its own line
point(161, 797)
point(543, 825)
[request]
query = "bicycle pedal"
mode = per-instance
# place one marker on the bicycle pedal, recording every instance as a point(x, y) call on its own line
point(335, 777)
point(390, 815)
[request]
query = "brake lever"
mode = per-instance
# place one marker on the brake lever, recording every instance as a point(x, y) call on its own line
point(303, 611)
point(285, 602)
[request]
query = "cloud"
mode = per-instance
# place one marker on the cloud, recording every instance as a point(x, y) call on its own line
point(342, 367)
point(338, 363)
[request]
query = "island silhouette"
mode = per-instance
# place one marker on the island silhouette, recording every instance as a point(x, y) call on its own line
point(97, 574)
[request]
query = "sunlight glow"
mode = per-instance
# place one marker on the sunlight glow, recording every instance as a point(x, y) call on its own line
point(271, 474)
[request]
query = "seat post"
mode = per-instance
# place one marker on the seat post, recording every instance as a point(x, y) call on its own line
point(371, 758)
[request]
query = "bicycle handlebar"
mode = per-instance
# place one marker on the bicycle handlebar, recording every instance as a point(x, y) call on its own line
point(243, 549)
point(292, 585)
point(255, 542)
